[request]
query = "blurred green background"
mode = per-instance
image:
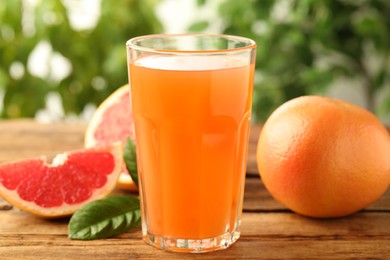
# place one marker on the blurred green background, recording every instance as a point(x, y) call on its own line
point(53, 65)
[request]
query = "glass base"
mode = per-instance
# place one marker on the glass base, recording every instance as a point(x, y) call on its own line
point(192, 245)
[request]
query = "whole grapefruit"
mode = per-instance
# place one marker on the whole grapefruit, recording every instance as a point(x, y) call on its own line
point(324, 157)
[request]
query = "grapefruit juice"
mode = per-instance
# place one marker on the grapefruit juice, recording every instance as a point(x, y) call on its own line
point(191, 100)
point(192, 126)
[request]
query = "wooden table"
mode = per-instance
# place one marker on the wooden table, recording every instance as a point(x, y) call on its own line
point(269, 230)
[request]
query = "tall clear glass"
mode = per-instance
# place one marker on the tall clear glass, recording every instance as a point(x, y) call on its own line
point(191, 100)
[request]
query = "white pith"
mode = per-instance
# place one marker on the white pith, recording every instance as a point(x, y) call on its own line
point(59, 159)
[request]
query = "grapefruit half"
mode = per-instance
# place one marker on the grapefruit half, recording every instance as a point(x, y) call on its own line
point(113, 122)
point(62, 187)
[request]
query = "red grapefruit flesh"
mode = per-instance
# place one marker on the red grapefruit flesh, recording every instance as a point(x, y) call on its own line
point(59, 189)
point(113, 122)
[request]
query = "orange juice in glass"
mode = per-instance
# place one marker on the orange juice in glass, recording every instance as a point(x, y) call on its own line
point(191, 98)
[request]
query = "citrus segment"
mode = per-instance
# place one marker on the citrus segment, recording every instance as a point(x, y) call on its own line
point(324, 157)
point(113, 122)
point(59, 189)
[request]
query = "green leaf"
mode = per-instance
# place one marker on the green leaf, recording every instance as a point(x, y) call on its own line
point(200, 2)
point(130, 158)
point(199, 26)
point(105, 218)
point(379, 79)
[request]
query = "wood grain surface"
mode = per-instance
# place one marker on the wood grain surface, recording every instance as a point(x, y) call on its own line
point(269, 230)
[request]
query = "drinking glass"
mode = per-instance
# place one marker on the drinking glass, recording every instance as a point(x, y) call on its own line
point(191, 101)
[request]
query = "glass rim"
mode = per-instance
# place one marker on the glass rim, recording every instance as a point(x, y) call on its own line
point(131, 43)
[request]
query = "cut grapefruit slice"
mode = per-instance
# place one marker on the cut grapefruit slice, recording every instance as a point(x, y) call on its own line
point(62, 187)
point(113, 122)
